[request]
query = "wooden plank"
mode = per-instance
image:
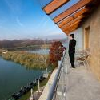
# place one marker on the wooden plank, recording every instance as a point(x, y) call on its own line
point(80, 12)
point(71, 26)
point(71, 29)
point(74, 28)
point(71, 10)
point(67, 20)
point(55, 4)
point(67, 33)
point(78, 19)
point(70, 18)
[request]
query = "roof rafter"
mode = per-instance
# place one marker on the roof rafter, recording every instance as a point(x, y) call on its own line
point(69, 18)
point(71, 10)
point(78, 19)
point(71, 29)
point(75, 25)
point(52, 6)
point(80, 12)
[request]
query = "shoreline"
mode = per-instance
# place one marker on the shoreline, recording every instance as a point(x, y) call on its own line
point(29, 60)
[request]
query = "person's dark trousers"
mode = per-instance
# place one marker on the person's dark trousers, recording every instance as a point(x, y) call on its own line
point(71, 55)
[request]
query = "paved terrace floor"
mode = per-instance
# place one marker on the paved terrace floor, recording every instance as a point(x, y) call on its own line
point(82, 85)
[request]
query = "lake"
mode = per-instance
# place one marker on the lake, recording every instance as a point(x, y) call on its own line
point(44, 51)
point(40, 51)
point(13, 76)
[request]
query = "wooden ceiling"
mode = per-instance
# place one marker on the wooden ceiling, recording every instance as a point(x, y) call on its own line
point(70, 19)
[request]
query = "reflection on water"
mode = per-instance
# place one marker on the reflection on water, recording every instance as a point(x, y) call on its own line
point(13, 76)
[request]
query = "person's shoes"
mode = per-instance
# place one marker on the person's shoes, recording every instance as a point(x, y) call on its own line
point(73, 67)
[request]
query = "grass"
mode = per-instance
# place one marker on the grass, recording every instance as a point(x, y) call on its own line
point(43, 83)
point(29, 60)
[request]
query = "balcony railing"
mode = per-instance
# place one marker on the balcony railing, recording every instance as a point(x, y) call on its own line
point(58, 89)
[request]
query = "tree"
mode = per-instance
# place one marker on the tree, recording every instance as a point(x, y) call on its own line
point(56, 52)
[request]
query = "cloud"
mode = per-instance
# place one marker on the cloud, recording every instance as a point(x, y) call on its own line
point(19, 22)
point(43, 20)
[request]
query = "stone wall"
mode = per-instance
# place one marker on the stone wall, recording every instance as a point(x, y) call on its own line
point(93, 22)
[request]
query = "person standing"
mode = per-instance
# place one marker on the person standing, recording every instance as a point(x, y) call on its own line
point(72, 45)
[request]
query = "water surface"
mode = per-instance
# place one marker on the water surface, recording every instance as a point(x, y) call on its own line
point(13, 76)
point(40, 51)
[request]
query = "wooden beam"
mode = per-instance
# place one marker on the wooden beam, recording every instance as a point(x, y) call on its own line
point(76, 20)
point(55, 4)
point(71, 29)
point(67, 20)
point(80, 12)
point(74, 28)
point(70, 18)
point(71, 10)
point(67, 33)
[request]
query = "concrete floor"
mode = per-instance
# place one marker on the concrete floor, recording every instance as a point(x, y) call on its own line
point(81, 84)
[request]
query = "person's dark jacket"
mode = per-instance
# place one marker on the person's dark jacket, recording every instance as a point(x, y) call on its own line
point(72, 46)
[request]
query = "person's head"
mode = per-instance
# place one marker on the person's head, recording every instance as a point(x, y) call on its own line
point(71, 36)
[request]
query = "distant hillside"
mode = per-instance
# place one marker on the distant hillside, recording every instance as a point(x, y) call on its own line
point(26, 44)
point(58, 36)
point(21, 44)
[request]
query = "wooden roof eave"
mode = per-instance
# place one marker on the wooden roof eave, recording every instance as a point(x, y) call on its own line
point(71, 10)
point(77, 20)
point(67, 33)
point(71, 29)
point(68, 19)
point(54, 5)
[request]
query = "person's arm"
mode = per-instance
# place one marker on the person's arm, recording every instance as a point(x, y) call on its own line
point(73, 44)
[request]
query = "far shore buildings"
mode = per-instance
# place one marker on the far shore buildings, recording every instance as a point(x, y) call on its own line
point(82, 19)
point(4, 51)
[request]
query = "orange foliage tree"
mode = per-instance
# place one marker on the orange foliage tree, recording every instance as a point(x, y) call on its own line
point(56, 52)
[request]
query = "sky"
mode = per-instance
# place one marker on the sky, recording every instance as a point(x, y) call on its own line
point(24, 19)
